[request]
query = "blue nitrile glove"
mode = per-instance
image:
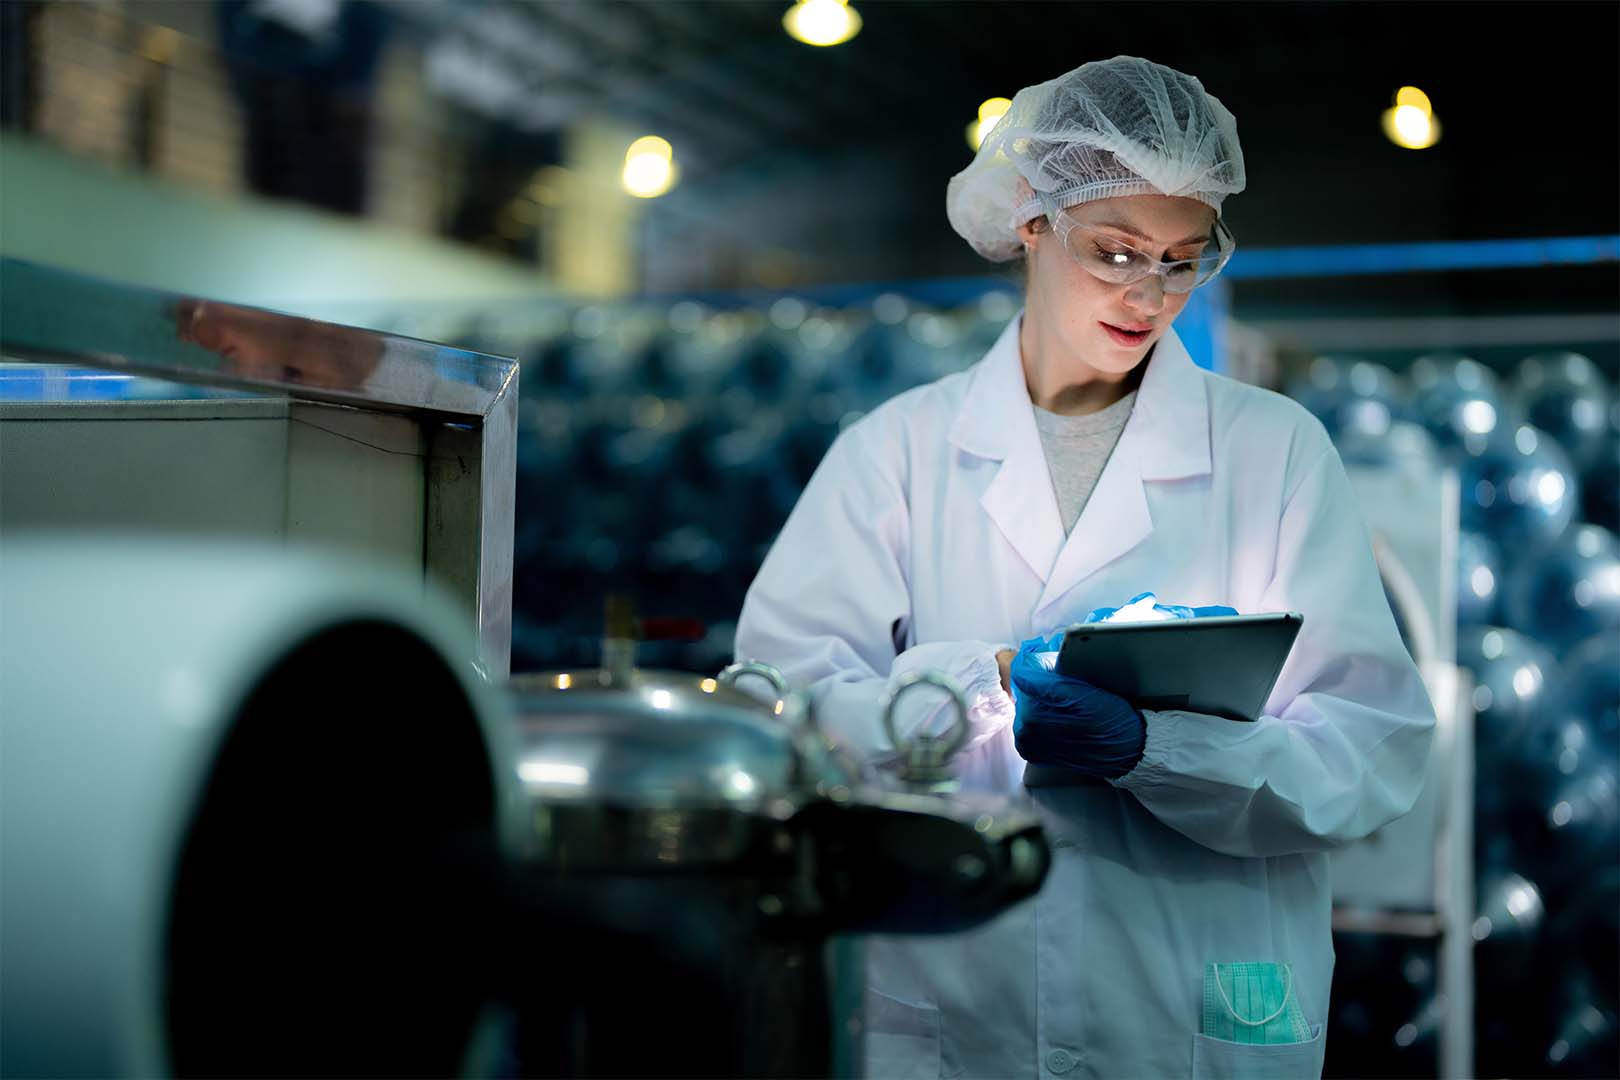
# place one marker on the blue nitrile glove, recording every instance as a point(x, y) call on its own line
point(1178, 611)
point(1066, 721)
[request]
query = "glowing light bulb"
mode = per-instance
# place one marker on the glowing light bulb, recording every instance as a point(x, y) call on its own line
point(822, 22)
point(1411, 95)
point(992, 110)
point(649, 167)
point(1411, 123)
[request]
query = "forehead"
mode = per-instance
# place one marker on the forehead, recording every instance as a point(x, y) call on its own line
point(1162, 218)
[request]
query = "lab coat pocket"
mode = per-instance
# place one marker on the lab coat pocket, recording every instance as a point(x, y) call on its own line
point(1217, 1059)
point(902, 1039)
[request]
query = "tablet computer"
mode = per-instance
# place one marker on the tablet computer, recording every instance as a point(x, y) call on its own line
point(1224, 665)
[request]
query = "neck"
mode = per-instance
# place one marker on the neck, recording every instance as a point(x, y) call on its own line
point(1059, 380)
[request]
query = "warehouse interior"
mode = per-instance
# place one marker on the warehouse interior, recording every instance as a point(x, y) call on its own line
point(559, 305)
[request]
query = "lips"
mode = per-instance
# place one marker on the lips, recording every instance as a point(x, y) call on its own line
point(1126, 335)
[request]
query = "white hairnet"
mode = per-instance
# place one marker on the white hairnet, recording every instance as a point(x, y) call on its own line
point(1125, 126)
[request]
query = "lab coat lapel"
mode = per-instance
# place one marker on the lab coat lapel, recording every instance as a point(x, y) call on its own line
point(997, 423)
point(1166, 438)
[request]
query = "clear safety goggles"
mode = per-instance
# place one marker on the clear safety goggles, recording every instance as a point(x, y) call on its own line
point(1105, 256)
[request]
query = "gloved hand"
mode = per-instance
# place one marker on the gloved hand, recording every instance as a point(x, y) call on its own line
point(1066, 721)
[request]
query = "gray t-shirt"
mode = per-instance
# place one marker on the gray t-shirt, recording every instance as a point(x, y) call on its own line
point(1077, 448)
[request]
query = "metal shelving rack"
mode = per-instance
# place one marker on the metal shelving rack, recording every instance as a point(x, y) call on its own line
point(1415, 877)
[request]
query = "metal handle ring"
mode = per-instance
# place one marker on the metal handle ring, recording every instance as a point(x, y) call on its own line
point(951, 740)
point(794, 709)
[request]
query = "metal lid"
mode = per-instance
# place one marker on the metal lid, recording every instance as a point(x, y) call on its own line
point(629, 770)
point(655, 739)
point(641, 772)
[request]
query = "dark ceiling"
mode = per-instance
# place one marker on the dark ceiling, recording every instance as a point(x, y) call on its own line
point(1527, 95)
point(840, 156)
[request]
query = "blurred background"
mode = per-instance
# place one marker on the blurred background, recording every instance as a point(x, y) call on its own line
point(712, 244)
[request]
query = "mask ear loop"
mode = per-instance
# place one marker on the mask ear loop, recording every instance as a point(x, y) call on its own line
point(1287, 990)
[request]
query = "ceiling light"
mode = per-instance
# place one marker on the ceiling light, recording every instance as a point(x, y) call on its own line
point(989, 112)
point(649, 167)
point(822, 22)
point(1411, 95)
point(1411, 123)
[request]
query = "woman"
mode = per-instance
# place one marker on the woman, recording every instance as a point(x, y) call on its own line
point(964, 516)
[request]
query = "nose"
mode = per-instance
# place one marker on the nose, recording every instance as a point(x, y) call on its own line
point(1146, 296)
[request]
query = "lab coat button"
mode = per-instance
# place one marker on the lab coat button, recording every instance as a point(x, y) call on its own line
point(1060, 1061)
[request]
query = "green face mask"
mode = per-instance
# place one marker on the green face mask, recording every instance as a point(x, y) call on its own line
point(1252, 1003)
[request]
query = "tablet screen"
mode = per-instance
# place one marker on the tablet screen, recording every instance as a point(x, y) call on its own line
point(1224, 665)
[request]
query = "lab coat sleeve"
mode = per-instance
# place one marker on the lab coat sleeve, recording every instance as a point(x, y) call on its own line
point(1346, 751)
point(831, 607)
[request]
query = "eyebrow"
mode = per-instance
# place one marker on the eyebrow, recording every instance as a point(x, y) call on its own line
point(1140, 235)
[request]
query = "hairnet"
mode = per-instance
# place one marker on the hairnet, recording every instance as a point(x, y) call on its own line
point(1125, 126)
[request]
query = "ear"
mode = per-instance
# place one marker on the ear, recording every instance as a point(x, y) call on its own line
point(1028, 233)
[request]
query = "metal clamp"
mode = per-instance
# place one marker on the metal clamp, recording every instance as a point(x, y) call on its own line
point(924, 759)
point(791, 705)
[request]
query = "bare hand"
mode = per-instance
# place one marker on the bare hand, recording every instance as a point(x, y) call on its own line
point(1004, 660)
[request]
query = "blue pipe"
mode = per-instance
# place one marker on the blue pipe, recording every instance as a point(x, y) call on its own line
point(1359, 259)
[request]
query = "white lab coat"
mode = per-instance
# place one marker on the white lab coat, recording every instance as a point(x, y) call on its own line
point(929, 537)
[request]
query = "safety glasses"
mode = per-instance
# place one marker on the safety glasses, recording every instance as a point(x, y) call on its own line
point(1106, 257)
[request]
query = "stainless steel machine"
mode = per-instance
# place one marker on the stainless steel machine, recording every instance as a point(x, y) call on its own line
point(269, 805)
point(132, 411)
point(251, 802)
point(720, 860)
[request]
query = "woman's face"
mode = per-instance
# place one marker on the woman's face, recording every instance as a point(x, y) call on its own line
point(1111, 327)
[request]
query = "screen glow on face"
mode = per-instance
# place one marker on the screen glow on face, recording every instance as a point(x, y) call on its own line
point(1108, 258)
